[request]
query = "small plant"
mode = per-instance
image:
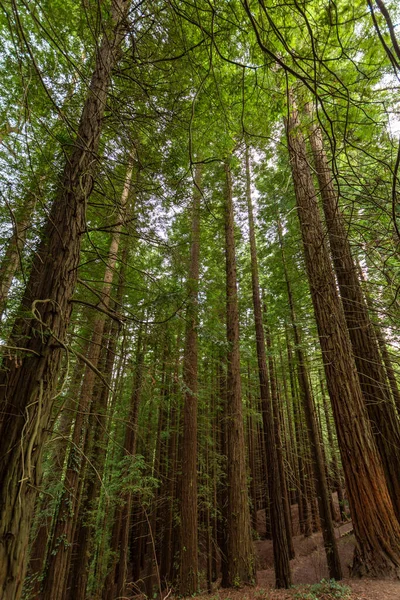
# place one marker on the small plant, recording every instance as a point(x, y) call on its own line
point(325, 590)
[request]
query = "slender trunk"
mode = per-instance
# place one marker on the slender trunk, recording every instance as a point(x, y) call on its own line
point(99, 425)
point(12, 255)
point(222, 488)
point(382, 343)
point(323, 493)
point(278, 443)
point(241, 565)
point(188, 577)
point(388, 366)
point(279, 534)
point(252, 445)
point(375, 525)
point(337, 477)
point(167, 555)
point(296, 435)
point(122, 519)
point(370, 368)
point(27, 389)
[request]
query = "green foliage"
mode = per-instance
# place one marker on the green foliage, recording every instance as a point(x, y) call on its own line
point(324, 590)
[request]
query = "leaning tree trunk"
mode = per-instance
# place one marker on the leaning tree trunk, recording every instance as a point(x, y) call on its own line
point(28, 381)
point(375, 525)
point(323, 493)
point(278, 524)
point(370, 368)
point(241, 565)
point(188, 577)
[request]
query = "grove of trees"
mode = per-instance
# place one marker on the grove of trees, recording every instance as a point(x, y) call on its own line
point(199, 293)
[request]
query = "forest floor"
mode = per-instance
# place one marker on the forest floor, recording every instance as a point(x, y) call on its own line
point(308, 569)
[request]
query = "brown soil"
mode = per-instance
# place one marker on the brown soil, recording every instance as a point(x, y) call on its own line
point(309, 567)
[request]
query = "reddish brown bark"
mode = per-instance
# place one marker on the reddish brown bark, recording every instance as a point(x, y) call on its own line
point(240, 558)
point(323, 493)
point(278, 442)
point(278, 524)
point(370, 368)
point(66, 520)
point(27, 389)
point(188, 576)
point(375, 525)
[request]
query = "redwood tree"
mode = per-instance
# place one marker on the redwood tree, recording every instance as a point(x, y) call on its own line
point(27, 384)
point(188, 578)
point(240, 557)
point(375, 525)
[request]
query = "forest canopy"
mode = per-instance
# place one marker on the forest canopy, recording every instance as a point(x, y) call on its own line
point(199, 292)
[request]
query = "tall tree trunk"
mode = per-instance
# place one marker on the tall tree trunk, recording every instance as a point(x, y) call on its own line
point(222, 491)
point(337, 477)
point(370, 368)
point(323, 493)
point(27, 389)
point(241, 565)
point(60, 555)
point(188, 577)
point(279, 534)
point(119, 544)
point(382, 343)
point(99, 424)
point(12, 255)
point(375, 525)
point(167, 554)
point(278, 442)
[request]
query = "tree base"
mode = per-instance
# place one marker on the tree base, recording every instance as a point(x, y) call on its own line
point(377, 565)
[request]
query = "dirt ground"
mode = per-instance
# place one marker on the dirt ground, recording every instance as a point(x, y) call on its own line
point(308, 568)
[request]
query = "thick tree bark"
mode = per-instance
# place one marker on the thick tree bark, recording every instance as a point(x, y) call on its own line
point(188, 576)
point(370, 368)
point(59, 558)
point(375, 525)
point(27, 389)
point(278, 525)
point(323, 493)
point(241, 565)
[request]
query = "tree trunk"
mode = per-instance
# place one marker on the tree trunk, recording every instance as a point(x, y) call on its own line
point(337, 477)
point(12, 255)
point(60, 555)
point(188, 577)
point(279, 535)
point(375, 525)
point(27, 389)
point(241, 564)
point(323, 493)
point(278, 443)
point(370, 368)
point(122, 519)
